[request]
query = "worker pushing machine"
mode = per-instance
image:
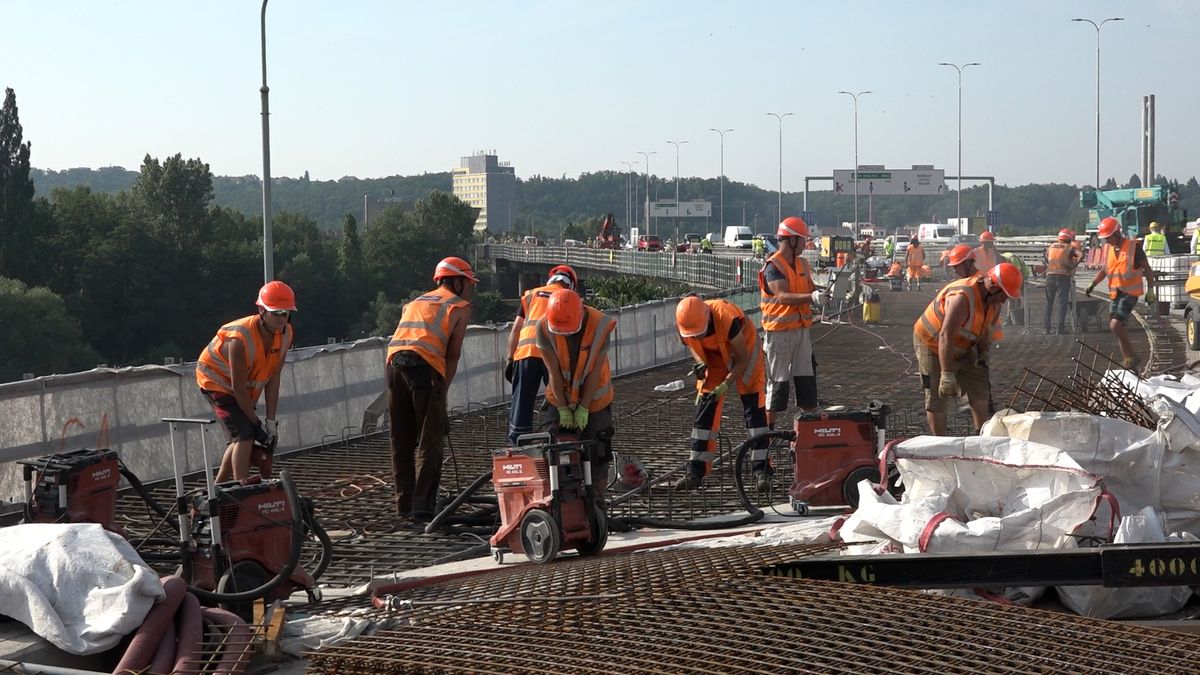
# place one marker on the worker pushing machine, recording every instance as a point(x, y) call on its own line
point(574, 342)
point(787, 296)
point(524, 367)
point(725, 345)
point(1125, 265)
point(952, 338)
point(422, 359)
point(914, 260)
point(244, 359)
point(986, 255)
point(1061, 259)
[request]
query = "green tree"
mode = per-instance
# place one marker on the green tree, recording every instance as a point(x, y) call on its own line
point(16, 188)
point(37, 335)
point(172, 197)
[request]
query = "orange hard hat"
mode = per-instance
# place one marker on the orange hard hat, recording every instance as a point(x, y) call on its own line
point(564, 312)
point(1108, 227)
point(792, 226)
point(276, 296)
point(452, 267)
point(987, 236)
point(1008, 278)
point(961, 254)
point(1066, 234)
point(691, 317)
point(563, 273)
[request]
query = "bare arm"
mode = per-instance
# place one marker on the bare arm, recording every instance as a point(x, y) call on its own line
point(1142, 263)
point(514, 335)
point(956, 315)
point(235, 354)
point(272, 390)
point(454, 346)
point(741, 357)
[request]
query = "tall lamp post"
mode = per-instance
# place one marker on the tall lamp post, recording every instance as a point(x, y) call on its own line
point(677, 144)
point(268, 240)
point(1098, 26)
point(722, 133)
point(779, 208)
point(646, 155)
point(855, 97)
point(628, 186)
point(958, 216)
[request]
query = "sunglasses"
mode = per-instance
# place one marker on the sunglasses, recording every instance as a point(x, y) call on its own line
point(279, 312)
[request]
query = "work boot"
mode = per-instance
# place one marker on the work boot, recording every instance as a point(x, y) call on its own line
point(689, 482)
point(762, 481)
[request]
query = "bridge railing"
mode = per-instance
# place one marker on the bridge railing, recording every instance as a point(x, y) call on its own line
point(714, 271)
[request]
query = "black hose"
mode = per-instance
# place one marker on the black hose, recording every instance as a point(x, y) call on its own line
point(456, 502)
point(739, 462)
point(310, 519)
point(136, 484)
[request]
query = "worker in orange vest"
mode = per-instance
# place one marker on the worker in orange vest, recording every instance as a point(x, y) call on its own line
point(961, 260)
point(524, 367)
point(951, 341)
point(986, 256)
point(422, 359)
point(574, 341)
point(1125, 264)
point(725, 346)
point(1061, 259)
point(914, 260)
point(242, 361)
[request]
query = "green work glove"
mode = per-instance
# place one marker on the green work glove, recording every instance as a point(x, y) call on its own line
point(948, 385)
point(1151, 296)
point(581, 418)
point(1089, 290)
point(566, 418)
point(719, 390)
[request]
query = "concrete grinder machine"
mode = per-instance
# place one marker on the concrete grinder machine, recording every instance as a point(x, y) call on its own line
point(835, 448)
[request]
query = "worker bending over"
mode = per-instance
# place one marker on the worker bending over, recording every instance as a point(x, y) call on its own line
point(243, 360)
point(1124, 265)
point(914, 260)
point(574, 341)
point(1061, 259)
point(422, 359)
point(725, 345)
point(951, 341)
point(524, 367)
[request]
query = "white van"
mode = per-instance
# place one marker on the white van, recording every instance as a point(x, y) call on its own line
point(738, 236)
point(928, 231)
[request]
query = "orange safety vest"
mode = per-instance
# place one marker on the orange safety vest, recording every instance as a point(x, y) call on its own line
point(1058, 259)
point(914, 256)
point(979, 321)
point(597, 326)
point(777, 316)
point(1118, 265)
point(985, 258)
point(704, 347)
point(213, 371)
point(534, 303)
point(424, 327)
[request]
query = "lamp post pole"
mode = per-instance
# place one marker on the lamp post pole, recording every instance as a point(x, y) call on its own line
point(677, 144)
point(779, 208)
point(268, 239)
point(958, 210)
point(1098, 26)
point(722, 133)
point(855, 97)
point(646, 155)
point(628, 197)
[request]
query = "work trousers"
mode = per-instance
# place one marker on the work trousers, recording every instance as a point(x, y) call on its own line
point(790, 357)
point(1058, 296)
point(528, 376)
point(417, 407)
point(708, 423)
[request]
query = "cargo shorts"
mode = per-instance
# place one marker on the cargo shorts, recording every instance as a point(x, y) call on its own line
point(972, 377)
point(1121, 306)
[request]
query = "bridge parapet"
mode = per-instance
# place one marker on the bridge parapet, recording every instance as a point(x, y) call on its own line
point(713, 271)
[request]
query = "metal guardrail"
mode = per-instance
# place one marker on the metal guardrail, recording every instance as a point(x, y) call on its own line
point(714, 271)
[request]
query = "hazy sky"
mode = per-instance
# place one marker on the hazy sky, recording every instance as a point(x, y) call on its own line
point(395, 87)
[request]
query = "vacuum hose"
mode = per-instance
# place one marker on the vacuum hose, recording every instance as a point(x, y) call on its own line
point(740, 462)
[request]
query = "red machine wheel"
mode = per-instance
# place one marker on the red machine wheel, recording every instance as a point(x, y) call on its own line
point(540, 536)
point(850, 485)
point(598, 524)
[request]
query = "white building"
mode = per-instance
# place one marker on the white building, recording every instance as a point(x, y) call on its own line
point(489, 185)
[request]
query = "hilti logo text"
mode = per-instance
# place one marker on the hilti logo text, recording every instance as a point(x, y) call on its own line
point(271, 507)
point(101, 474)
point(828, 432)
point(513, 469)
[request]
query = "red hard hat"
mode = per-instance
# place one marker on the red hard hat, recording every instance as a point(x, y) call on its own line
point(452, 267)
point(276, 296)
point(564, 312)
point(792, 226)
point(1066, 234)
point(1108, 227)
point(1008, 277)
point(564, 272)
point(691, 317)
point(961, 254)
point(987, 236)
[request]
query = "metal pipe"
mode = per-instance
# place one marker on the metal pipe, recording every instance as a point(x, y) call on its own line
point(268, 238)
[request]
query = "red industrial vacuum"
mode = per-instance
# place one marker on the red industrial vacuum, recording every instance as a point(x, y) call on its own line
point(835, 448)
point(73, 487)
point(547, 500)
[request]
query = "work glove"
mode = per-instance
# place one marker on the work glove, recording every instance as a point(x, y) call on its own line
point(271, 427)
point(510, 367)
point(1151, 296)
point(260, 434)
point(1089, 290)
point(700, 370)
point(719, 390)
point(581, 418)
point(819, 298)
point(566, 418)
point(948, 385)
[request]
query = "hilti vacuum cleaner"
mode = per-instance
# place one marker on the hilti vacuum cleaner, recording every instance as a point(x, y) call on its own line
point(836, 448)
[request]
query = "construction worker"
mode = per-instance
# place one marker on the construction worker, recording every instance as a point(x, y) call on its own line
point(706, 245)
point(914, 260)
point(524, 367)
point(725, 345)
point(986, 255)
point(760, 247)
point(1155, 243)
point(243, 360)
point(1125, 264)
point(889, 247)
point(961, 260)
point(787, 297)
point(1015, 309)
point(1061, 259)
point(952, 338)
point(574, 341)
point(422, 359)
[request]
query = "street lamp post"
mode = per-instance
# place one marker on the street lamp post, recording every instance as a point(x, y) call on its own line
point(958, 68)
point(646, 155)
point(722, 133)
point(855, 97)
point(628, 188)
point(1098, 26)
point(268, 240)
point(779, 209)
point(677, 144)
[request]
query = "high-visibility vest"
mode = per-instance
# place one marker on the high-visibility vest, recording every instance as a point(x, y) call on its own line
point(980, 316)
point(704, 347)
point(1155, 244)
point(1058, 259)
point(534, 302)
point(597, 326)
point(213, 371)
point(985, 258)
point(1118, 265)
point(777, 316)
point(424, 327)
point(914, 255)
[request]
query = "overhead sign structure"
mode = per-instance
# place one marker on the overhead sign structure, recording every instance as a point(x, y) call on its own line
point(681, 209)
point(880, 181)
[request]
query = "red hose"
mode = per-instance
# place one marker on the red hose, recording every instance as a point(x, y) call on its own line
point(164, 656)
point(145, 641)
point(191, 634)
point(235, 654)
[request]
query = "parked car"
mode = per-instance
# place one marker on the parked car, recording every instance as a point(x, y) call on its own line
point(738, 236)
point(530, 240)
point(971, 240)
point(649, 242)
point(572, 243)
point(691, 242)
